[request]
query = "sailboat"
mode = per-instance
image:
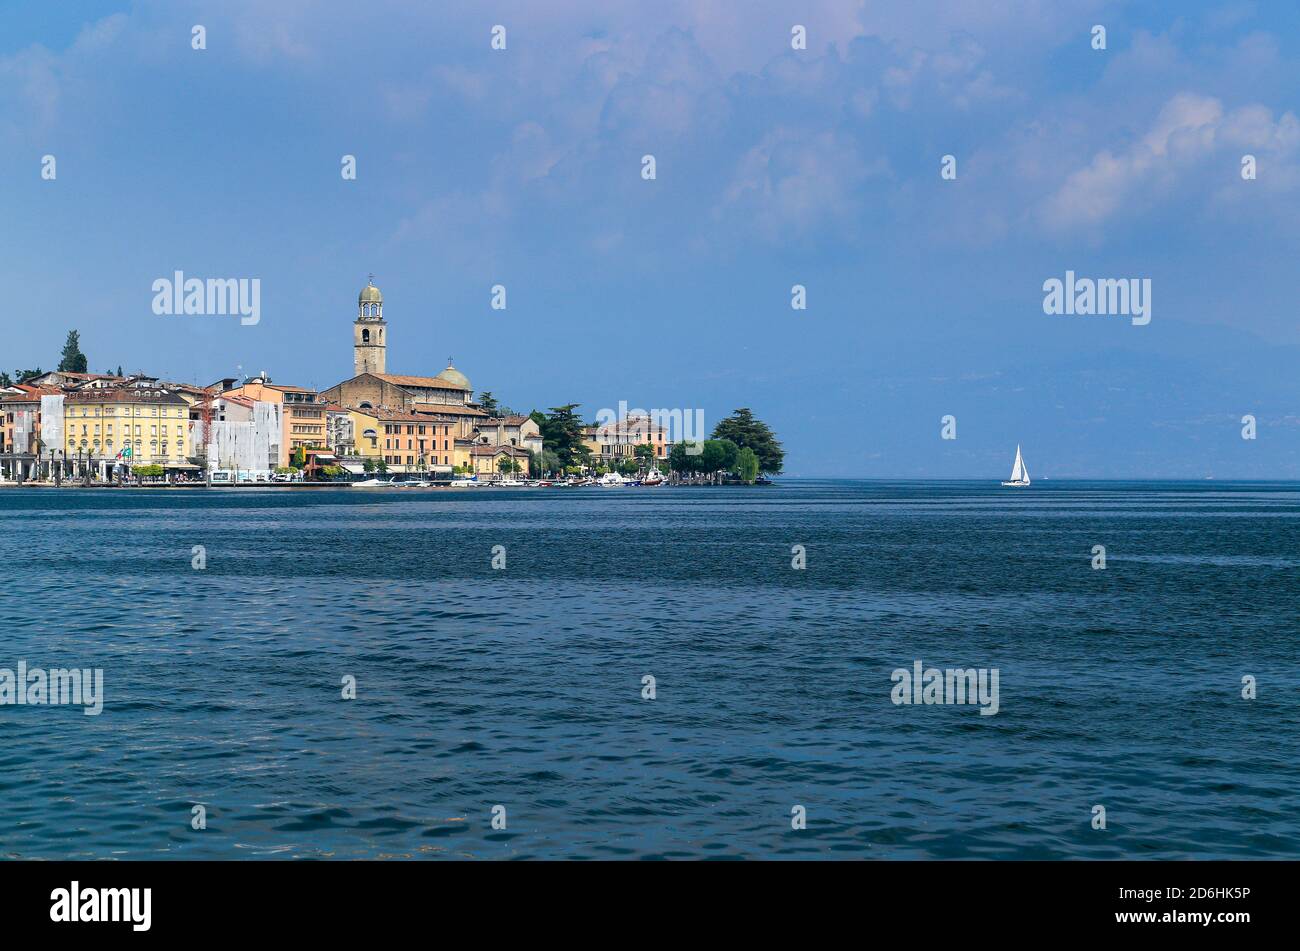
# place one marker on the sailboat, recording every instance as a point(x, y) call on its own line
point(1019, 474)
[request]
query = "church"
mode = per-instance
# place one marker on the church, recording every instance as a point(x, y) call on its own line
point(445, 399)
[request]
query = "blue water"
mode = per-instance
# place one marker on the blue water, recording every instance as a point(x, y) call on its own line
point(522, 687)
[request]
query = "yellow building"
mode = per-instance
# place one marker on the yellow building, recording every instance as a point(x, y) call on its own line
point(367, 435)
point(406, 442)
point(101, 425)
point(486, 460)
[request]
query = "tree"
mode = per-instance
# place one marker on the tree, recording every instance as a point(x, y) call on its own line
point(488, 402)
point(582, 454)
point(368, 464)
point(645, 452)
point(562, 434)
point(746, 465)
point(682, 458)
point(742, 428)
point(628, 467)
point(508, 466)
point(718, 454)
point(5, 379)
point(382, 466)
point(729, 452)
point(73, 360)
point(22, 376)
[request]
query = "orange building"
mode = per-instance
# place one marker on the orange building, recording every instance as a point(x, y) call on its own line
point(414, 442)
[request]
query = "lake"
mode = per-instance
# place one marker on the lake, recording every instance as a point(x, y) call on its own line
point(523, 686)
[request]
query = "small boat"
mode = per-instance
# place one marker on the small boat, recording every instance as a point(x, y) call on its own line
point(373, 484)
point(652, 478)
point(612, 480)
point(511, 484)
point(1019, 474)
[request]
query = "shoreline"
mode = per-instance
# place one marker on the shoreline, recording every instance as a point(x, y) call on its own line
point(334, 485)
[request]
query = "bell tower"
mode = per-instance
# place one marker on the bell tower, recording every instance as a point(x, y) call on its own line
point(369, 343)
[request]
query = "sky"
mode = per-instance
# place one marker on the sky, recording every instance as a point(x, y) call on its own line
point(774, 167)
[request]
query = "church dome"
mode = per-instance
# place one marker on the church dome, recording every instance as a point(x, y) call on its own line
point(454, 377)
point(370, 294)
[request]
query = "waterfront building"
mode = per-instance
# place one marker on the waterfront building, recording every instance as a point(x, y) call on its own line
point(412, 442)
point(520, 431)
point(127, 425)
point(449, 391)
point(367, 436)
point(21, 457)
point(485, 460)
point(237, 433)
point(302, 413)
point(340, 429)
point(616, 441)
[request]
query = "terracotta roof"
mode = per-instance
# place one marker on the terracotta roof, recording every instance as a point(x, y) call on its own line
point(426, 382)
point(33, 393)
point(393, 415)
point(449, 409)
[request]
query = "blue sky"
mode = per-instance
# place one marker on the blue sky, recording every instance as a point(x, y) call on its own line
point(775, 167)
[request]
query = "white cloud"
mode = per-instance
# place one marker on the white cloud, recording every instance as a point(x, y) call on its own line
point(1188, 129)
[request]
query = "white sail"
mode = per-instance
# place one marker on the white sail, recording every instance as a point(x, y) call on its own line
point(1019, 474)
